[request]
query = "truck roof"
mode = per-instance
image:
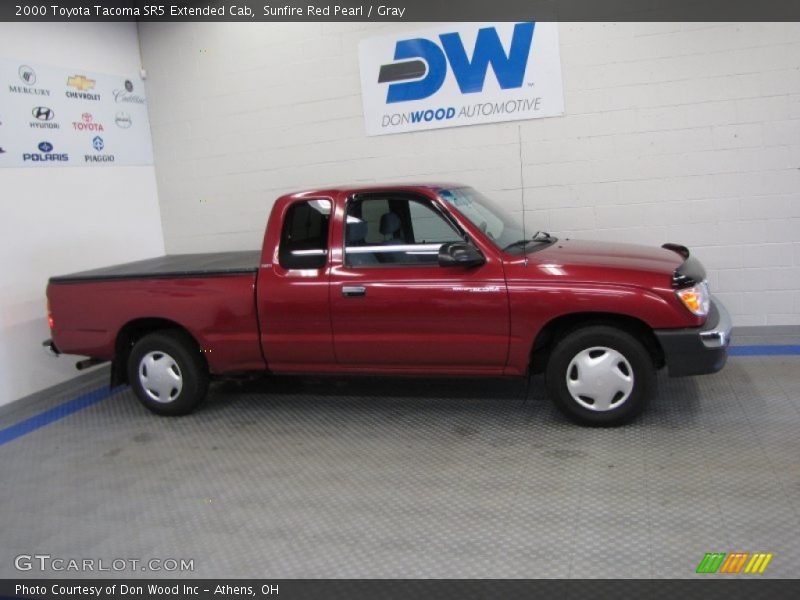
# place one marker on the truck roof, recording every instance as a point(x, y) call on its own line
point(375, 187)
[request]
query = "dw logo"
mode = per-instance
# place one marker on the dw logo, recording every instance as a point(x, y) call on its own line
point(425, 62)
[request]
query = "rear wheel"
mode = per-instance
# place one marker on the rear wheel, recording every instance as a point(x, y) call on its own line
point(600, 375)
point(167, 372)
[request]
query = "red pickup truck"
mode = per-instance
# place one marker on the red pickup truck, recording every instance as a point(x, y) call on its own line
point(408, 279)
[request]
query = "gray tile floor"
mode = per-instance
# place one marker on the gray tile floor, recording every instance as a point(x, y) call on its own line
point(307, 477)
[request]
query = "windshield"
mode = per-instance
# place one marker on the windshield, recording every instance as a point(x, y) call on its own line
point(498, 225)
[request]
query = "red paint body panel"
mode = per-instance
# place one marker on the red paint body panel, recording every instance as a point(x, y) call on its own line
point(413, 319)
point(218, 311)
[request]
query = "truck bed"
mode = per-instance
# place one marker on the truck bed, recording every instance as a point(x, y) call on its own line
point(172, 265)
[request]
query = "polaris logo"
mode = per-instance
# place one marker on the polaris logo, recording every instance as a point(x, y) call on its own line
point(45, 154)
point(425, 63)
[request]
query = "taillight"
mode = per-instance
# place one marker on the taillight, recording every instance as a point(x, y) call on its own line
point(50, 321)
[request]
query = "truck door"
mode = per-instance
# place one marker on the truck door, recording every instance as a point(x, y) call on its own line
point(394, 308)
point(292, 295)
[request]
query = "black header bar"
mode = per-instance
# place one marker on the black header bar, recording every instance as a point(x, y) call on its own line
point(401, 10)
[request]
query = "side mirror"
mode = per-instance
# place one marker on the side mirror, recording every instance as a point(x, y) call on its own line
point(460, 254)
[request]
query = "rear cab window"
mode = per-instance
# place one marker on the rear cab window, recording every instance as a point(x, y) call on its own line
point(304, 236)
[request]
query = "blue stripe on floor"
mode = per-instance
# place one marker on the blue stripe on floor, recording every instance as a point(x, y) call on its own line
point(9, 434)
point(764, 350)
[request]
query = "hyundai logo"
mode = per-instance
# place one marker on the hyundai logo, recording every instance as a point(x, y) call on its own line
point(43, 113)
point(97, 142)
point(46, 147)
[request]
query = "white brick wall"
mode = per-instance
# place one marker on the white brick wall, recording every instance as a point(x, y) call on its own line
point(684, 132)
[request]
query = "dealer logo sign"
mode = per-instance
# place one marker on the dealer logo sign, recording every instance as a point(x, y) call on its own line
point(464, 74)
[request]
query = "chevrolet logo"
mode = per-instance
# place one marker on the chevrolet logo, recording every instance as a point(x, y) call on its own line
point(80, 82)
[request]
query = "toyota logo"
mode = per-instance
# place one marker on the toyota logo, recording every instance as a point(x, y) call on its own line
point(43, 113)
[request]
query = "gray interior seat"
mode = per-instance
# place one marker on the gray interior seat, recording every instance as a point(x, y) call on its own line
point(356, 236)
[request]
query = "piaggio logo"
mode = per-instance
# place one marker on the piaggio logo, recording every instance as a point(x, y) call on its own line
point(425, 62)
point(98, 144)
point(734, 563)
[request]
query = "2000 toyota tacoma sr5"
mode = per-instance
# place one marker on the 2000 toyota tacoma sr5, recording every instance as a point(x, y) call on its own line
point(410, 279)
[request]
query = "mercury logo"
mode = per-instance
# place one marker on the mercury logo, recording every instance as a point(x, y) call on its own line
point(27, 75)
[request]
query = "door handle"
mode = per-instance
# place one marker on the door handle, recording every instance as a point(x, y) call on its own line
point(353, 290)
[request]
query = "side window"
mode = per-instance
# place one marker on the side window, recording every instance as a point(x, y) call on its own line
point(395, 231)
point(304, 238)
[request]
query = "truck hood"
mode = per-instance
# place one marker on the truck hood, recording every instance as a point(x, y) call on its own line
point(583, 260)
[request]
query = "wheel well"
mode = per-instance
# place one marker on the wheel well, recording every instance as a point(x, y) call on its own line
point(127, 337)
point(554, 330)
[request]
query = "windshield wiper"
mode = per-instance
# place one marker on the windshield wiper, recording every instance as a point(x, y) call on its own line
point(540, 237)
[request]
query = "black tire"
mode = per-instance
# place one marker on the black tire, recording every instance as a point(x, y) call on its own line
point(604, 359)
point(178, 378)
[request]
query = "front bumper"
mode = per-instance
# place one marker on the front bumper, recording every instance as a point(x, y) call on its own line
point(698, 350)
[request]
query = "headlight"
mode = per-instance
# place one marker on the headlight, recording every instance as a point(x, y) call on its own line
point(696, 298)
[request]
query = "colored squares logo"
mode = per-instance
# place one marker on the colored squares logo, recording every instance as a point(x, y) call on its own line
point(734, 563)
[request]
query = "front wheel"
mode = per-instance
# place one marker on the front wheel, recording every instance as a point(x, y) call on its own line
point(167, 373)
point(600, 375)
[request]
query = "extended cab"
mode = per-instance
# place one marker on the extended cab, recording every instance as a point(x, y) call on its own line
point(411, 279)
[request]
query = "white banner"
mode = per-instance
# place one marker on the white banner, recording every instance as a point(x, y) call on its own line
point(52, 116)
point(461, 74)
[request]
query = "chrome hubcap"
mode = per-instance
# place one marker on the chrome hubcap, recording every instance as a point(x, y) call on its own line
point(160, 377)
point(600, 378)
